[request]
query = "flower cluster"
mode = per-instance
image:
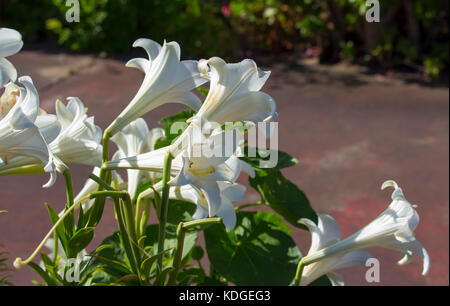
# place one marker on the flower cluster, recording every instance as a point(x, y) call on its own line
point(201, 166)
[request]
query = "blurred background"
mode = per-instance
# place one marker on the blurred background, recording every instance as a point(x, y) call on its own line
point(411, 35)
point(359, 102)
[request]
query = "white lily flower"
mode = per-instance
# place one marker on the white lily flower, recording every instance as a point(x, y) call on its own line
point(229, 193)
point(79, 139)
point(10, 43)
point(133, 140)
point(194, 167)
point(393, 229)
point(234, 93)
point(167, 80)
point(71, 137)
point(324, 234)
point(19, 135)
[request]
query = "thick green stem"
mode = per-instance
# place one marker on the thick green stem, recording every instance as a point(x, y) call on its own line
point(239, 208)
point(299, 273)
point(97, 209)
point(69, 222)
point(181, 233)
point(145, 217)
point(164, 205)
point(131, 228)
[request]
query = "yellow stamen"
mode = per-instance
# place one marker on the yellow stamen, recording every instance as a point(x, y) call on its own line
point(200, 172)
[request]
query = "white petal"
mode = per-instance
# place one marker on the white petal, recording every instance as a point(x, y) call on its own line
point(10, 42)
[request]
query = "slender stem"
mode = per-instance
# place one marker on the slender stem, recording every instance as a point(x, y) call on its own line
point(69, 186)
point(200, 222)
point(124, 239)
point(164, 203)
point(137, 218)
point(97, 209)
point(130, 227)
point(145, 216)
point(181, 233)
point(238, 208)
point(70, 221)
point(19, 262)
point(55, 246)
point(299, 273)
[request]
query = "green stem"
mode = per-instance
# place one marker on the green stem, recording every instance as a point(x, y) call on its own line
point(137, 218)
point(97, 209)
point(299, 273)
point(164, 203)
point(181, 233)
point(69, 222)
point(239, 208)
point(131, 229)
point(125, 241)
point(144, 219)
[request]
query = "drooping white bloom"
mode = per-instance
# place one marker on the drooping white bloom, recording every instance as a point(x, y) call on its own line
point(324, 234)
point(167, 80)
point(204, 164)
point(10, 43)
point(229, 193)
point(133, 140)
point(19, 135)
point(234, 93)
point(393, 229)
point(79, 139)
point(71, 136)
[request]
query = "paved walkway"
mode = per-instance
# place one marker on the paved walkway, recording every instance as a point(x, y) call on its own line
point(350, 131)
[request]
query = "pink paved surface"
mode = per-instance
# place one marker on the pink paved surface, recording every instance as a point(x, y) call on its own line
point(350, 132)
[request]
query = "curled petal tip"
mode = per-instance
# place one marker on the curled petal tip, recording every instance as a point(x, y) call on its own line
point(389, 183)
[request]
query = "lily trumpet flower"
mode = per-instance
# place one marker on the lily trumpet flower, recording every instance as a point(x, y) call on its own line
point(72, 137)
point(79, 139)
point(234, 93)
point(10, 43)
point(229, 193)
point(324, 234)
point(392, 229)
point(202, 165)
point(167, 80)
point(133, 140)
point(19, 135)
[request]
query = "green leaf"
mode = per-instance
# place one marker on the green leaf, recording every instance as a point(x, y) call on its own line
point(259, 251)
point(283, 196)
point(109, 264)
point(49, 280)
point(284, 159)
point(60, 229)
point(80, 240)
point(197, 253)
point(180, 211)
point(147, 264)
point(168, 122)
